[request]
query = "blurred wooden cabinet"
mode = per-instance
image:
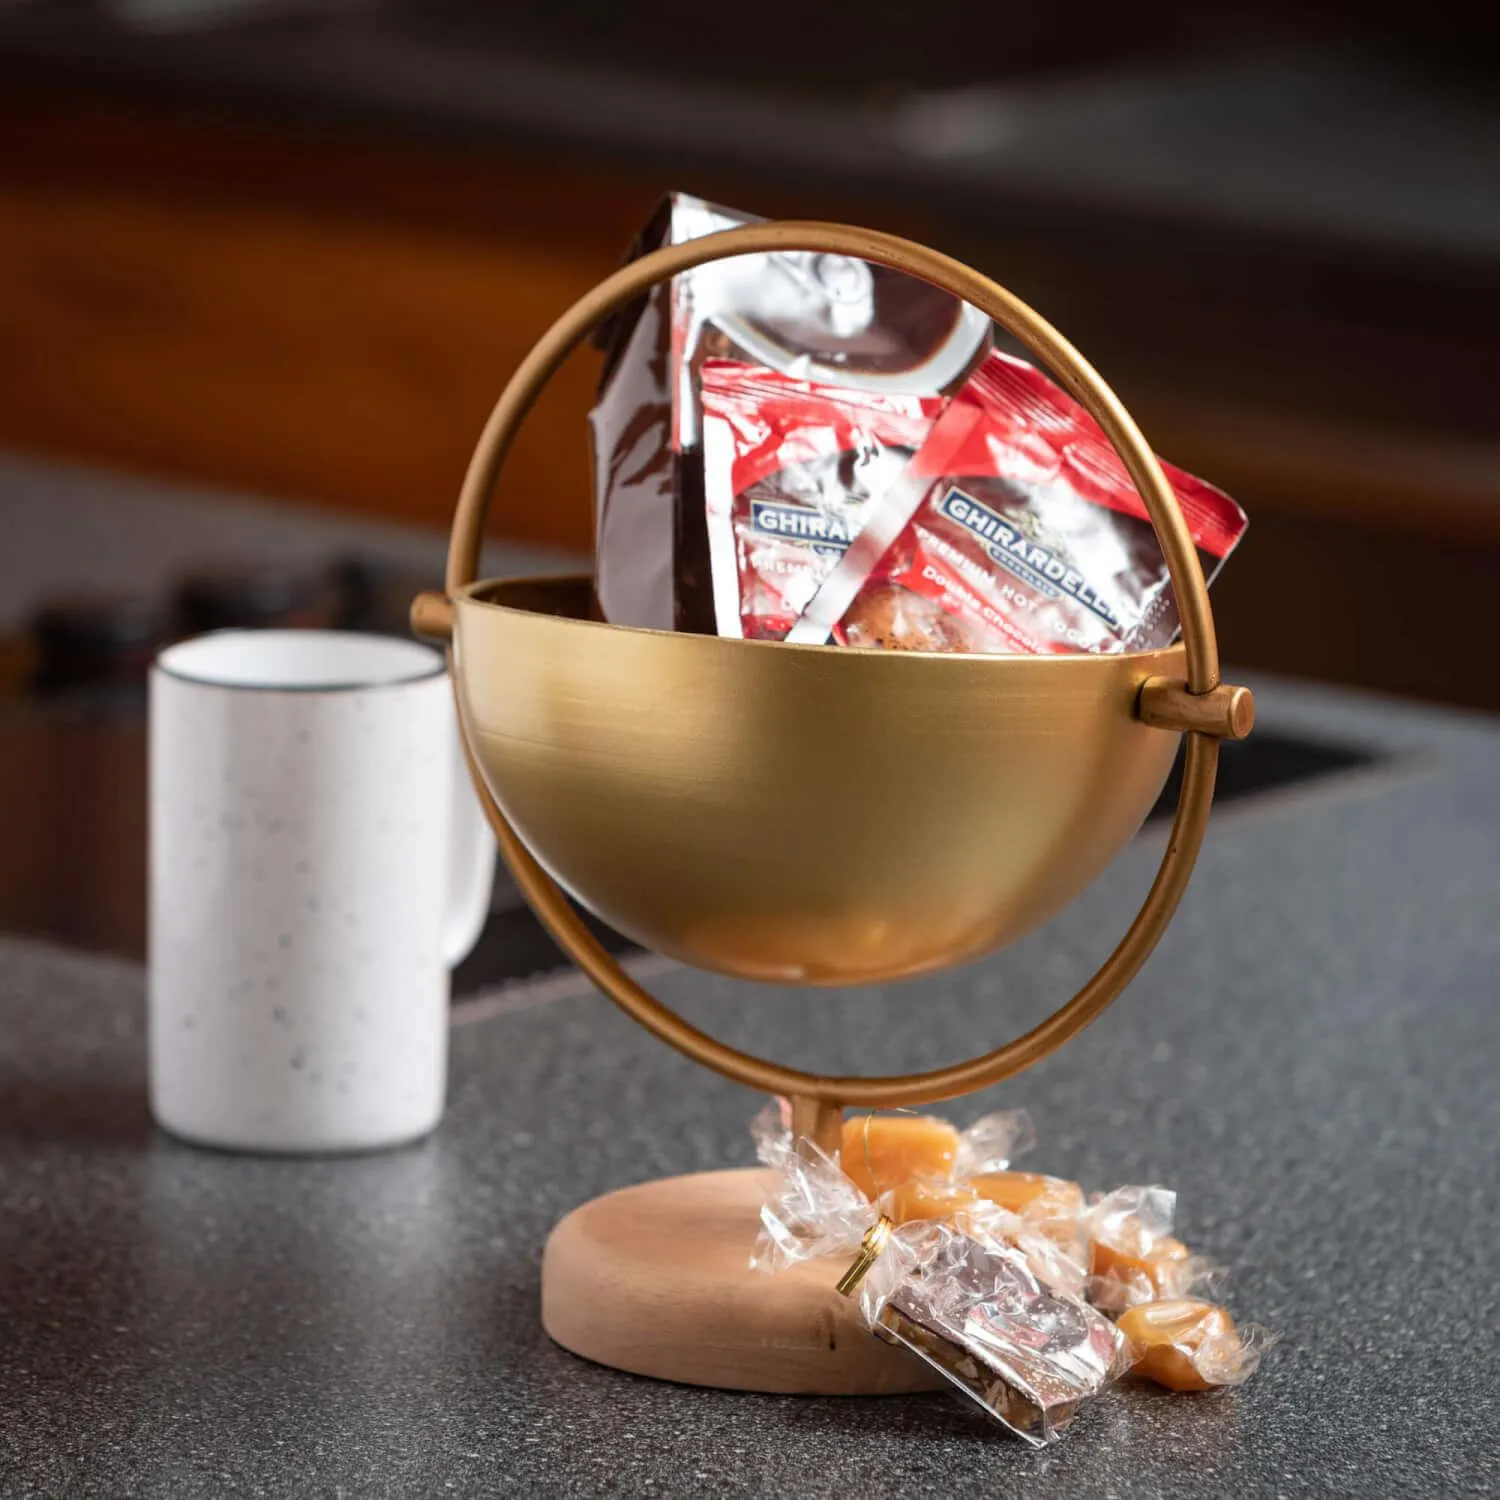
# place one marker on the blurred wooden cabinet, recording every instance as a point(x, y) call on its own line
point(327, 315)
point(290, 310)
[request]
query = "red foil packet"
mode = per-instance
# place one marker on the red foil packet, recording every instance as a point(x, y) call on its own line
point(790, 469)
point(1015, 528)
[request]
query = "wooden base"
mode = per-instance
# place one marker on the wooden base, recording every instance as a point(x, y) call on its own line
point(656, 1279)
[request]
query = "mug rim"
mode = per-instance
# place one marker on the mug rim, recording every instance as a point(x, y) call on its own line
point(425, 663)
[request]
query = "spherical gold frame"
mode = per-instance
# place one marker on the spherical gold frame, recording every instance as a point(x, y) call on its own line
point(1201, 708)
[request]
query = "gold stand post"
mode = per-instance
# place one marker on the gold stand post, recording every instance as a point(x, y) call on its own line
point(820, 1121)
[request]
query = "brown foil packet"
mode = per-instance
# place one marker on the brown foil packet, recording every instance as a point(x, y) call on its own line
point(818, 317)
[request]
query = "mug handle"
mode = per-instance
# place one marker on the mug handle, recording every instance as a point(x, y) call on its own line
point(472, 853)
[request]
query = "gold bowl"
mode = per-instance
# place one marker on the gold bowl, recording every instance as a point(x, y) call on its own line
point(812, 815)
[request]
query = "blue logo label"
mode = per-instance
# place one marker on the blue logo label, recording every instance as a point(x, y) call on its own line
point(796, 523)
point(1035, 565)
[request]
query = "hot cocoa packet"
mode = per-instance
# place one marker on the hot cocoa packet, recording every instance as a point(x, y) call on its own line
point(790, 468)
point(1015, 529)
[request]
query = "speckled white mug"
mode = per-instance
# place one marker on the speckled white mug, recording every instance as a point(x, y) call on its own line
point(318, 863)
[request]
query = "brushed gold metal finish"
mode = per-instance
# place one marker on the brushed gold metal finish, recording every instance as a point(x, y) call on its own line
point(804, 814)
point(1227, 712)
point(570, 604)
point(432, 617)
point(870, 1248)
point(661, 806)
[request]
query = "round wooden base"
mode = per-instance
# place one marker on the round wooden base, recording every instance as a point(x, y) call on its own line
point(656, 1279)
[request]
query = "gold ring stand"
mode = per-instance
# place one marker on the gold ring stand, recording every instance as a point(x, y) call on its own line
point(809, 815)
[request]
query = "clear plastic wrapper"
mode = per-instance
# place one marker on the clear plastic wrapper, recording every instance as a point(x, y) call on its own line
point(993, 1142)
point(816, 1210)
point(1053, 1252)
point(1133, 1256)
point(1028, 1355)
point(1189, 1345)
point(957, 1294)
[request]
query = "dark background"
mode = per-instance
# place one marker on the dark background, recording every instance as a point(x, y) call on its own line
point(296, 249)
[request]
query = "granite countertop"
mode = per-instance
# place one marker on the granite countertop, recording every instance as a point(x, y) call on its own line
point(1309, 1059)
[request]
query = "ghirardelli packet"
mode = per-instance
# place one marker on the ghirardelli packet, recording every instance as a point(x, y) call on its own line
point(822, 318)
point(789, 469)
point(1015, 528)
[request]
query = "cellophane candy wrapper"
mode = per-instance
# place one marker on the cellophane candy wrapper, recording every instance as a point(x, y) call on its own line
point(1233, 1358)
point(1134, 1256)
point(1028, 1355)
point(817, 317)
point(790, 467)
point(993, 1143)
point(1009, 1306)
point(816, 1210)
point(1048, 1232)
point(1187, 1344)
point(955, 1295)
point(1015, 528)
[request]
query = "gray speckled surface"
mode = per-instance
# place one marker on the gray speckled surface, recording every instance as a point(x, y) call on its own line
point(1310, 1060)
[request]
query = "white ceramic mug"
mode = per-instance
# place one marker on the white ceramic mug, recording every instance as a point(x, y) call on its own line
point(318, 863)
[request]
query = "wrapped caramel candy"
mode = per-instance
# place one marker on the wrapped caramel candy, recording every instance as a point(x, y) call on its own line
point(956, 1295)
point(1027, 1192)
point(981, 1271)
point(919, 1167)
point(1133, 1256)
point(885, 1152)
point(1187, 1345)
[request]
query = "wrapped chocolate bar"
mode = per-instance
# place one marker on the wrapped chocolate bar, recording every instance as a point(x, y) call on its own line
point(789, 468)
point(1015, 528)
point(953, 1293)
point(823, 318)
point(1028, 1355)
